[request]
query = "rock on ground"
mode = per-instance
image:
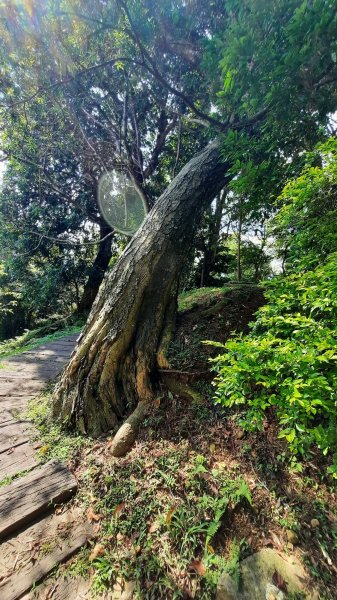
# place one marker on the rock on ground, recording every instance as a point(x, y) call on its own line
point(266, 575)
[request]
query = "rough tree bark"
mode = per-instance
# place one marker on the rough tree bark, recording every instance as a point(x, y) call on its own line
point(97, 271)
point(113, 368)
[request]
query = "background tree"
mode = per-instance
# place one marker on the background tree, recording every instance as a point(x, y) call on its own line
point(64, 137)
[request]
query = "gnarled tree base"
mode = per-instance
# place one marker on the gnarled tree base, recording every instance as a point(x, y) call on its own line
point(114, 369)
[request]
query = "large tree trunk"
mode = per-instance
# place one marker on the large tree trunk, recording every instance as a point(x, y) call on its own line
point(97, 270)
point(113, 368)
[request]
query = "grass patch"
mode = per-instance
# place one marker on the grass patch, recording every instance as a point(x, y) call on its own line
point(192, 298)
point(160, 516)
point(207, 295)
point(8, 480)
point(56, 442)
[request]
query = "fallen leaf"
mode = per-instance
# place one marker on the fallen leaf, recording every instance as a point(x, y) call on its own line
point(280, 583)
point(118, 509)
point(34, 549)
point(97, 551)
point(326, 555)
point(96, 528)
point(154, 527)
point(93, 516)
point(168, 517)
point(210, 549)
point(50, 592)
point(136, 550)
point(37, 445)
point(212, 447)
point(157, 402)
point(198, 567)
point(267, 542)
point(331, 517)
point(44, 449)
point(252, 484)
point(276, 540)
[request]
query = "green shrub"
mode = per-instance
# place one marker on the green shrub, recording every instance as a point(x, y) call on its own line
point(288, 361)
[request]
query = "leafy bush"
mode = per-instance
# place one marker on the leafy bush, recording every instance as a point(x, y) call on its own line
point(287, 364)
point(305, 226)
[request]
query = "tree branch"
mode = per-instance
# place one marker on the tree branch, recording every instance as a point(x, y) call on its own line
point(164, 128)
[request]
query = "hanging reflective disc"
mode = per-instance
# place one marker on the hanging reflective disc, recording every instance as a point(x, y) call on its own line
point(121, 203)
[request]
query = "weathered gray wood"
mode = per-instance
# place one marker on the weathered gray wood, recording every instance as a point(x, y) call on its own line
point(11, 408)
point(20, 458)
point(59, 352)
point(30, 496)
point(29, 359)
point(34, 552)
point(15, 399)
point(21, 388)
point(44, 370)
point(24, 376)
point(65, 589)
point(13, 434)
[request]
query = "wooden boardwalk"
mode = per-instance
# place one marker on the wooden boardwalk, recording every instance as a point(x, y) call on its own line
point(34, 538)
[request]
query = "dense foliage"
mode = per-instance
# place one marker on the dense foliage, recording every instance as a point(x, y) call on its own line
point(286, 366)
point(86, 88)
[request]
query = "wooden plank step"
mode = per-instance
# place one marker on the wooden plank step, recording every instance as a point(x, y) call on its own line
point(65, 347)
point(16, 399)
point(28, 360)
point(43, 371)
point(51, 352)
point(35, 551)
point(32, 356)
point(71, 588)
point(28, 497)
point(64, 589)
point(11, 408)
point(21, 388)
point(14, 434)
point(24, 376)
point(16, 460)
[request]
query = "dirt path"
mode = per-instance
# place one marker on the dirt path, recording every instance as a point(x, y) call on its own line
point(36, 534)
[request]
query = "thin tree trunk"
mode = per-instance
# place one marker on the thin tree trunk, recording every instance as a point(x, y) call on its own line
point(211, 245)
point(113, 368)
point(97, 271)
point(239, 270)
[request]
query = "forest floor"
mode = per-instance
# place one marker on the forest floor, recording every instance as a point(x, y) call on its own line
point(196, 494)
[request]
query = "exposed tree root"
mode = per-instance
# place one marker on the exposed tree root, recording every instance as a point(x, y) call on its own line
point(180, 388)
point(127, 433)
